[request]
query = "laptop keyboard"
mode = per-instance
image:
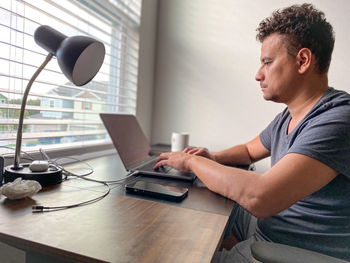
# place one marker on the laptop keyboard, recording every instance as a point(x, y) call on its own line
point(149, 167)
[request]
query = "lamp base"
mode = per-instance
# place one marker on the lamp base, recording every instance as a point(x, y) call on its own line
point(50, 177)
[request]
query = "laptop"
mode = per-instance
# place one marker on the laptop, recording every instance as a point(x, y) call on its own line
point(134, 148)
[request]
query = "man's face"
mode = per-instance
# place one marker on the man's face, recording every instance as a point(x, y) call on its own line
point(278, 72)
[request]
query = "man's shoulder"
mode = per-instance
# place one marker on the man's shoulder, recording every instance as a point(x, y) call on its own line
point(335, 103)
point(336, 97)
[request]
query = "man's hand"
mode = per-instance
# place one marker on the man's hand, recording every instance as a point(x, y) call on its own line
point(200, 152)
point(177, 160)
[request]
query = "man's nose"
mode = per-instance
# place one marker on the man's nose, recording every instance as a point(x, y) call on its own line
point(259, 76)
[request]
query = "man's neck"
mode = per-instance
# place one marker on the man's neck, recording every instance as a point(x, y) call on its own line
point(306, 98)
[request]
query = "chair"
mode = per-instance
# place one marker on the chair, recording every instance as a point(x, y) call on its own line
point(268, 252)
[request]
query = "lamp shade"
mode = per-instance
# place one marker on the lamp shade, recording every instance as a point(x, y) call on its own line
point(79, 57)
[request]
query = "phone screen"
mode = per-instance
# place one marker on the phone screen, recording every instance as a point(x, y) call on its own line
point(157, 190)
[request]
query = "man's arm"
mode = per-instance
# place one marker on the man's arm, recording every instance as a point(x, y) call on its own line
point(247, 153)
point(243, 154)
point(294, 177)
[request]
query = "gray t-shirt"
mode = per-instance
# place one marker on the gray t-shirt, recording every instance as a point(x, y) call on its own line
point(320, 221)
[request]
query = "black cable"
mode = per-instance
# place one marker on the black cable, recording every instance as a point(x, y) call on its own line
point(40, 208)
point(66, 174)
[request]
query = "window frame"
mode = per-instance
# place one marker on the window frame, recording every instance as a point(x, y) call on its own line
point(91, 150)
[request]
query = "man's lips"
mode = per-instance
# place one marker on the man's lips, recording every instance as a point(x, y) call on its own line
point(263, 86)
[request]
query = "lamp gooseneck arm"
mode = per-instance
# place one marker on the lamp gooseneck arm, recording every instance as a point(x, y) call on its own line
point(23, 106)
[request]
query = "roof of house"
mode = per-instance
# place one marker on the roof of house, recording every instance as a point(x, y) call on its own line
point(91, 86)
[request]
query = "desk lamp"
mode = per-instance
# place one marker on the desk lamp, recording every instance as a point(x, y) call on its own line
point(79, 58)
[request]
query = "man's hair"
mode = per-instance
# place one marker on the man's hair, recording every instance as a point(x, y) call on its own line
point(302, 26)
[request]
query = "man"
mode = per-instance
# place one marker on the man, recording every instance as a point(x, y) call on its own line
point(304, 199)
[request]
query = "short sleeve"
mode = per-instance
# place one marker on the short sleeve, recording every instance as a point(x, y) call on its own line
point(266, 136)
point(327, 139)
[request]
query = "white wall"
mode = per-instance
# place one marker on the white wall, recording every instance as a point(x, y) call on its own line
point(207, 57)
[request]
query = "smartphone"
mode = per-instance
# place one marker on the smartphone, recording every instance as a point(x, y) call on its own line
point(170, 193)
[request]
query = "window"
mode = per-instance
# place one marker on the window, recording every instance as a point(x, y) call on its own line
point(52, 103)
point(58, 113)
point(87, 106)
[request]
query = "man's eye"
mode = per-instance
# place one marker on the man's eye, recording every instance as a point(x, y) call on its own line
point(267, 62)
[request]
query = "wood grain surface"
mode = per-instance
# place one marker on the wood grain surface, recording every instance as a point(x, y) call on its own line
point(115, 229)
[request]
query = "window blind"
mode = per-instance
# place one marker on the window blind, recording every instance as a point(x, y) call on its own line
point(59, 114)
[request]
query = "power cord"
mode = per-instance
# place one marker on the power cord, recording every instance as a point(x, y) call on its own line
point(83, 176)
point(39, 208)
point(67, 174)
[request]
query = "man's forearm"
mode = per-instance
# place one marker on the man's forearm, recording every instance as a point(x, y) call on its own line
point(235, 155)
point(245, 154)
point(236, 184)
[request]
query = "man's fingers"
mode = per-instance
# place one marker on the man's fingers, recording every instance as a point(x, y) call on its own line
point(161, 160)
point(159, 164)
point(195, 151)
point(187, 149)
point(163, 156)
point(192, 150)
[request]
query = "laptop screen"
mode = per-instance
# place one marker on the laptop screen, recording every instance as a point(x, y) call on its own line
point(128, 138)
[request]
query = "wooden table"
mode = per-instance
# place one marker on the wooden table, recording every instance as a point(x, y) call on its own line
point(119, 228)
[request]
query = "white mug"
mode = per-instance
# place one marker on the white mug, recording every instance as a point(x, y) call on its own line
point(179, 141)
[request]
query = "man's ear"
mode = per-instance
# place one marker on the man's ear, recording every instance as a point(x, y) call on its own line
point(304, 58)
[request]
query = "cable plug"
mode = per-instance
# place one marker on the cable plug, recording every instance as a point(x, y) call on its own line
point(37, 208)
